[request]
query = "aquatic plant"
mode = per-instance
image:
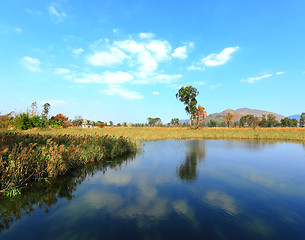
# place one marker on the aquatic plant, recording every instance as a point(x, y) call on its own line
point(33, 157)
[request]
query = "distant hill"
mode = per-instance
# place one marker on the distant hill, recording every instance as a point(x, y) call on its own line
point(238, 113)
point(297, 117)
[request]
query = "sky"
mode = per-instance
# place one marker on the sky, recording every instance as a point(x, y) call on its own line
point(124, 61)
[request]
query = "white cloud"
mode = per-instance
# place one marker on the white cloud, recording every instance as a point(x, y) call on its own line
point(215, 86)
point(254, 79)
point(38, 13)
point(143, 78)
point(200, 83)
point(193, 68)
point(146, 35)
point(54, 102)
point(78, 51)
point(219, 59)
point(115, 30)
point(59, 16)
point(32, 64)
point(180, 52)
point(117, 77)
point(160, 49)
point(122, 92)
point(90, 78)
point(107, 77)
point(156, 93)
point(18, 30)
point(60, 71)
point(114, 56)
point(279, 73)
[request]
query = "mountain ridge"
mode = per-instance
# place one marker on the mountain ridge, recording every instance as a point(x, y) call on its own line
point(238, 113)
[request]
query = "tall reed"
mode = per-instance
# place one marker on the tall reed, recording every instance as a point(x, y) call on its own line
point(32, 157)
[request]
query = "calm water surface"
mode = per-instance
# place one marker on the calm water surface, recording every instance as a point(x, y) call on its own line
point(187, 189)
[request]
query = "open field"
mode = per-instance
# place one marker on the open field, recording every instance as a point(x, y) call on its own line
point(159, 133)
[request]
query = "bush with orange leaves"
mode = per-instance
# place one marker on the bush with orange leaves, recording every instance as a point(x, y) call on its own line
point(199, 114)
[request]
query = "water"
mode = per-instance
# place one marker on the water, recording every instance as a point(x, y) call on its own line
point(173, 189)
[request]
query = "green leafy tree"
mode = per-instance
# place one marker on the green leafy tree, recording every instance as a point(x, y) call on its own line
point(110, 123)
point(212, 123)
point(249, 120)
point(154, 121)
point(175, 122)
point(45, 112)
point(263, 122)
point(302, 120)
point(271, 120)
point(187, 95)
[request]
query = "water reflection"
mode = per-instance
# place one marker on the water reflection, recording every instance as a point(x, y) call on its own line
point(195, 155)
point(234, 193)
point(46, 194)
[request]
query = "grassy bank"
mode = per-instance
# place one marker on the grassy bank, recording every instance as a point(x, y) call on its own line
point(159, 133)
point(33, 157)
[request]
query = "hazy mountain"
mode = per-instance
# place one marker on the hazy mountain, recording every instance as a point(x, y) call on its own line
point(238, 113)
point(297, 117)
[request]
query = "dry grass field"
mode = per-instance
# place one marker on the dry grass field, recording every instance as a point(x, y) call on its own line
point(159, 133)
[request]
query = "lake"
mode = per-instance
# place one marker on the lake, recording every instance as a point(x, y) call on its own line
point(171, 189)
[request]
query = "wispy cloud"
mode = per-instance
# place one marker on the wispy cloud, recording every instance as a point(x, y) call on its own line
point(61, 71)
point(33, 12)
point(146, 35)
point(193, 68)
point(107, 77)
point(78, 51)
point(55, 13)
point(55, 102)
point(18, 30)
point(156, 93)
point(122, 92)
point(279, 73)
point(200, 83)
point(214, 86)
point(219, 59)
point(254, 79)
point(32, 64)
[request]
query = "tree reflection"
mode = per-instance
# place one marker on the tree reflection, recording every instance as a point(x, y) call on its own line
point(47, 193)
point(196, 154)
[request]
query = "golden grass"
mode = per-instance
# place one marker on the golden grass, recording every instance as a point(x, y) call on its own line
point(31, 157)
point(159, 133)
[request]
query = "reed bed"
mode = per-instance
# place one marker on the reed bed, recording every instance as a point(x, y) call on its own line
point(33, 157)
point(159, 133)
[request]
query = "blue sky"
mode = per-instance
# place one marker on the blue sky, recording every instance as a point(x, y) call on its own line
point(125, 60)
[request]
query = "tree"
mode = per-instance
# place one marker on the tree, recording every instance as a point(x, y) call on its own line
point(302, 120)
point(228, 118)
point(249, 120)
point(61, 119)
point(188, 95)
point(271, 120)
point(199, 115)
point(77, 121)
point(263, 122)
point(175, 122)
point(45, 112)
point(212, 123)
point(110, 123)
point(154, 121)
